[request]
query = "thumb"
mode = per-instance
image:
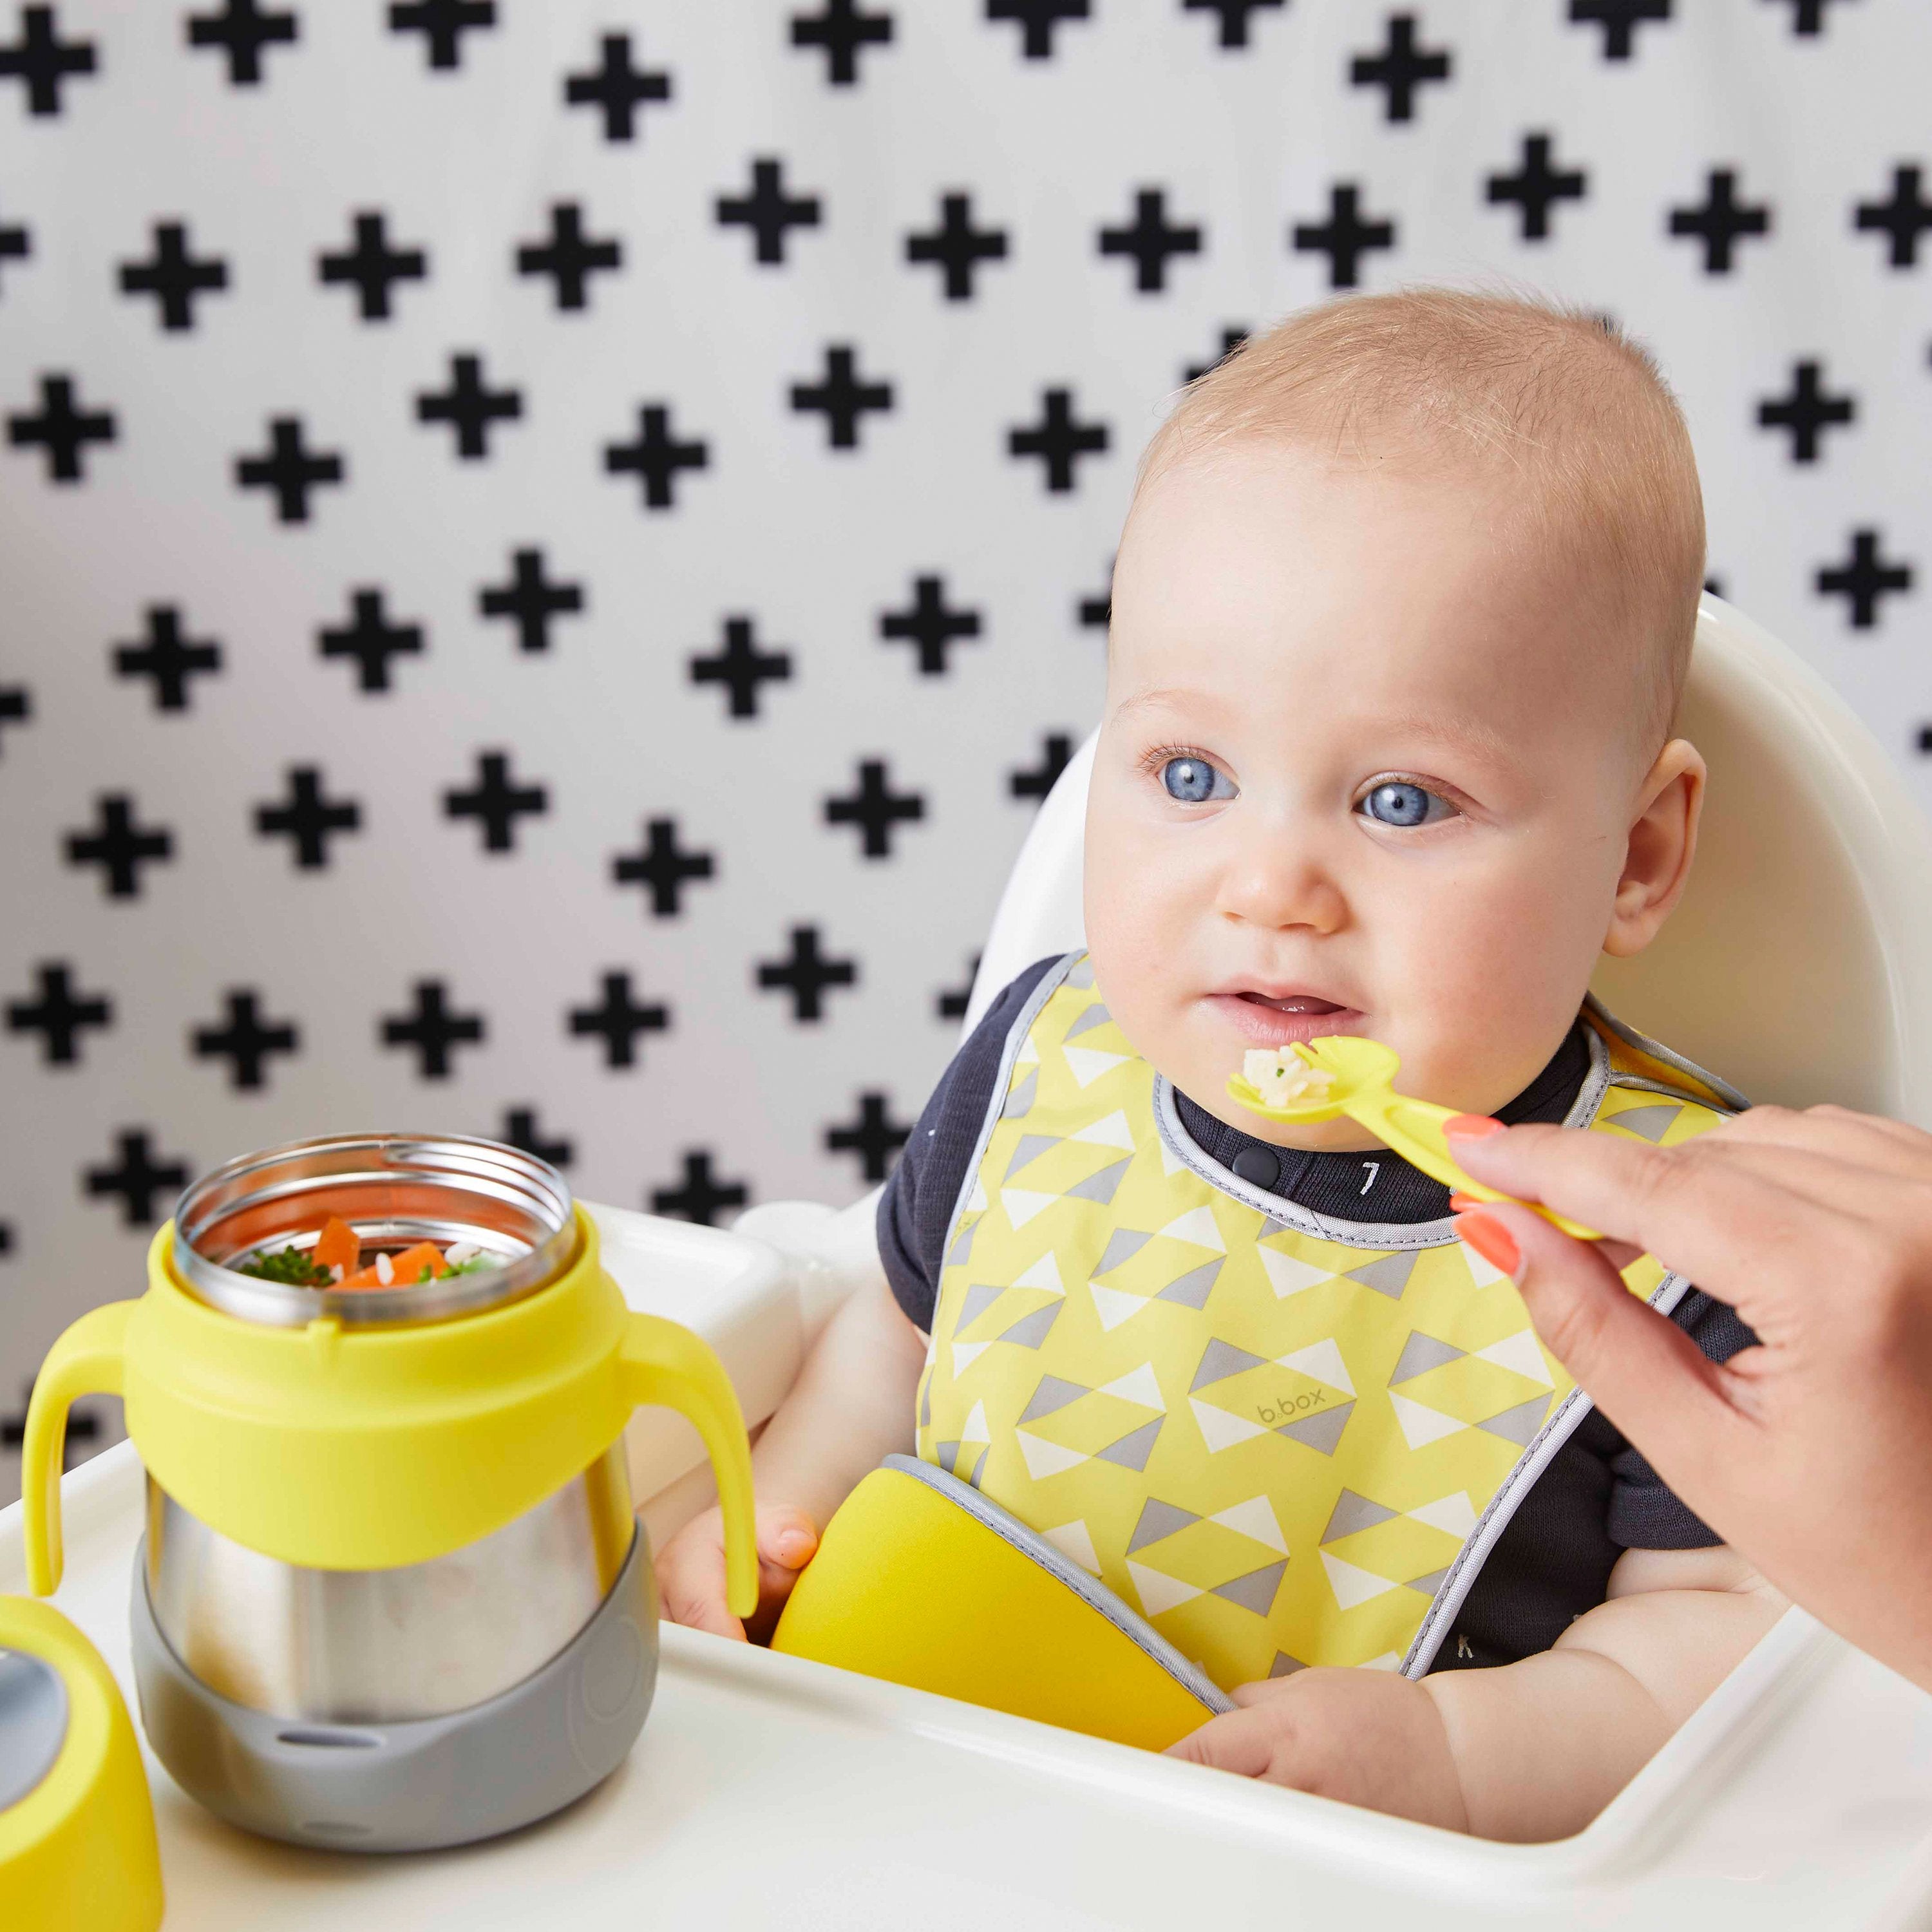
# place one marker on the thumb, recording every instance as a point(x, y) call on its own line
point(788, 1537)
point(1637, 1366)
point(1241, 1742)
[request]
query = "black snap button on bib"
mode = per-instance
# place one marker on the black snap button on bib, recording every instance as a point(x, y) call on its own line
point(1259, 1167)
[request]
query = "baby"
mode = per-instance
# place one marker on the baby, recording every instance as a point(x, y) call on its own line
point(1401, 613)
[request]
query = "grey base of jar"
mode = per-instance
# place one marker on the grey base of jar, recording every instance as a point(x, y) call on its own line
point(429, 1782)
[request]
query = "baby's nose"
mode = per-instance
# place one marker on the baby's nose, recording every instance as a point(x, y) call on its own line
point(1277, 889)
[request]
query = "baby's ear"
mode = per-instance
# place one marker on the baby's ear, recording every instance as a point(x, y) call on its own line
point(1658, 854)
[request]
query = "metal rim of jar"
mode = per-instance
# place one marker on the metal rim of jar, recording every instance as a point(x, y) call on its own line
point(531, 1204)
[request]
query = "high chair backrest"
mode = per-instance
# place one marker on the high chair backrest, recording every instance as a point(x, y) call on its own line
point(1798, 965)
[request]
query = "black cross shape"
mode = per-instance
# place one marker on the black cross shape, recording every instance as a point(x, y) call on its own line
point(875, 808)
point(768, 210)
point(1905, 217)
point(370, 639)
point(701, 1195)
point(1807, 411)
point(570, 257)
point(1150, 240)
point(288, 470)
point(619, 1021)
point(842, 396)
point(1056, 753)
point(1096, 612)
point(741, 667)
point(1864, 579)
point(1232, 339)
point(41, 60)
point(174, 277)
point(1721, 222)
point(520, 1130)
point(616, 88)
point(1619, 19)
point(1400, 69)
point(1037, 20)
point(530, 600)
point(60, 428)
point(83, 1425)
point(16, 704)
point(929, 624)
point(308, 817)
point(59, 1014)
point(242, 31)
point(1059, 439)
point(167, 657)
point(951, 1002)
point(245, 1040)
point(662, 868)
point(957, 246)
point(372, 266)
point(495, 801)
point(432, 1030)
point(656, 456)
point(1537, 186)
point(806, 974)
point(136, 1178)
point(120, 847)
point(841, 30)
point(1345, 237)
point(442, 23)
point(469, 405)
point(1807, 17)
point(1235, 15)
point(875, 1137)
point(15, 244)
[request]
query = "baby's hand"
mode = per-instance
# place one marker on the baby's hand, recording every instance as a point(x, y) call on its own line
point(690, 1570)
point(1367, 1737)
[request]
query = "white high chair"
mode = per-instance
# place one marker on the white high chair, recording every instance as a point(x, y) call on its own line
point(767, 1790)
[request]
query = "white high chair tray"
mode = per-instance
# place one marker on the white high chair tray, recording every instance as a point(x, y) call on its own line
point(766, 1790)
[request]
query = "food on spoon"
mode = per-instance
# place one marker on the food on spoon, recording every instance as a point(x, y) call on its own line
point(1283, 1080)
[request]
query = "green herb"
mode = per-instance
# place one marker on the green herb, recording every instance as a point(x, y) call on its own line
point(476, 1264)
point(291, 1265)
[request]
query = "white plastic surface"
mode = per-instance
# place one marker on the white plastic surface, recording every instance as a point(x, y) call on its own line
point(768, 1791)
point(1799, 965)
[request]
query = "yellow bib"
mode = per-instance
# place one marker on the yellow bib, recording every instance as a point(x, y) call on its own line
point(1286, 1440)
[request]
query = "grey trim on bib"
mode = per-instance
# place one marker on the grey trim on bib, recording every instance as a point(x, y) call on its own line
point(1063, 1569)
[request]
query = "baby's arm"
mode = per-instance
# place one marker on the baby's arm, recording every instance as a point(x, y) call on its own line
point(1532, 1751)
point(851, 1405)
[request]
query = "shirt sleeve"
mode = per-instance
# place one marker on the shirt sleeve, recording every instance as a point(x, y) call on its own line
point(917, 1207)
point(1644, 1514)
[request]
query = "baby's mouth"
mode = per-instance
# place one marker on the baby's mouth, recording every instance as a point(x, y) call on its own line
point(1270, 1019)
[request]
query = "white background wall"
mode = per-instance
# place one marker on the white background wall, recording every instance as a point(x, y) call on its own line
point(811, 542)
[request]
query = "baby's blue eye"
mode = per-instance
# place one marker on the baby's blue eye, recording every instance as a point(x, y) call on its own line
point(1195, 782)
point(1398, 803)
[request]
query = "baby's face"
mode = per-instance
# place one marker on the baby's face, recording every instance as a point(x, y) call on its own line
point(1360, 772)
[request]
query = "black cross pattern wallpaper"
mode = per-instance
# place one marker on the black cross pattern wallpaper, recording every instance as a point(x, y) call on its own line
point(551, 548)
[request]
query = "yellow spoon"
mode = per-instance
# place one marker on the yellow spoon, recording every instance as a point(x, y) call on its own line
point(1360, 1076)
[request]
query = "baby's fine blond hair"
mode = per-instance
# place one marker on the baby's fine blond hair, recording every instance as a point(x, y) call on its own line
point(1569, 412)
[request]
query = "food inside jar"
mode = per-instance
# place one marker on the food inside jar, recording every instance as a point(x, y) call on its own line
point(337, 1261)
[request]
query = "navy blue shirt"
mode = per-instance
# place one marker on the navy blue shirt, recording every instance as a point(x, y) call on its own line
point(1597, 1497)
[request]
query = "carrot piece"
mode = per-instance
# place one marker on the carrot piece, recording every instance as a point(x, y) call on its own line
point(337, 1245)
point(411, 1262)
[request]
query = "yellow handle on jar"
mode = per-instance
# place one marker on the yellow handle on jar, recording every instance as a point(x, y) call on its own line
point(87, 1359)
point(664, 1363)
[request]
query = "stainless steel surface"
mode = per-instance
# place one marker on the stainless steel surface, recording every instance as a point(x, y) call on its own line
point(394, 1189)
point(373, 1646)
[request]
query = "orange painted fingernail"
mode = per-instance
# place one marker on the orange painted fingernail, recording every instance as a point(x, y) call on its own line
point(1472, 1126)
point(1491, 1240)
point(1460, 1203)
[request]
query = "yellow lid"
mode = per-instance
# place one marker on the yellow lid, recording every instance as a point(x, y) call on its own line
point(366, 1448)
point(79, 1848)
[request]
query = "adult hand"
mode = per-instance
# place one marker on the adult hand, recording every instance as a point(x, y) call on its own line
point(1812, 1453)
